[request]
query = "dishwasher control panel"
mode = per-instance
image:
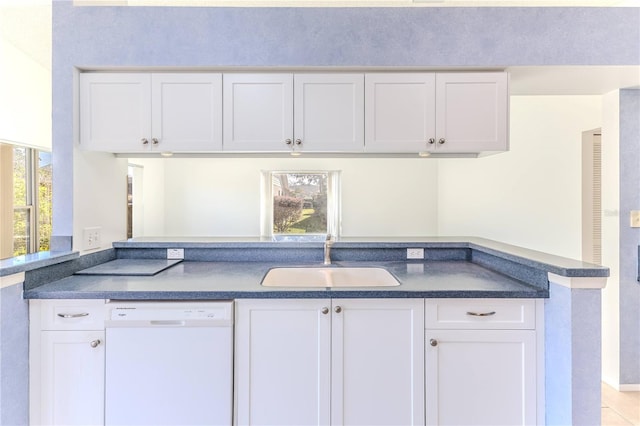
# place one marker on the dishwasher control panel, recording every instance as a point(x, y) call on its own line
point(170, 313)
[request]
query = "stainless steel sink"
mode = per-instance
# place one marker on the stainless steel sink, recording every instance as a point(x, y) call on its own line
point(329, 277)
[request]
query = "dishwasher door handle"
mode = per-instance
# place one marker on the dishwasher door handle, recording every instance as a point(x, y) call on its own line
point(168, 322)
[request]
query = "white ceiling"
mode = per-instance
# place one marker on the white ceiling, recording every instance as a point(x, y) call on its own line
point(27, 25)
point(578, 80)
point(360, 3)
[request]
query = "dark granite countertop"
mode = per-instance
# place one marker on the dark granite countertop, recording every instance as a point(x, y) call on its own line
point(233, 280)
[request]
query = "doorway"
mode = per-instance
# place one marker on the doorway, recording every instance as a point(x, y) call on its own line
point(135, 206)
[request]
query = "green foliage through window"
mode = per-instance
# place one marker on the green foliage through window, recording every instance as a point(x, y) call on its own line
point(32, 196)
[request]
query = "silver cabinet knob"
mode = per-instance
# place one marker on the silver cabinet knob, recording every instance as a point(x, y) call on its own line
point(95, 343)
point(298, 141)
point(433, 342)
point(325, 310)
point(144, 141)
point(441, 141)
point(431, 141)
point(155, 141)
point(337, 309)
point(288, 141)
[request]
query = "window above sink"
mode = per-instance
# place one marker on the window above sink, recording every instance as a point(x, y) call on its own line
point(300, 205)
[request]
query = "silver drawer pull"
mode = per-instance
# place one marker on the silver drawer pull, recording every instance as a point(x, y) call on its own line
point(80, 315)
point(95, 343)
point(481, 314)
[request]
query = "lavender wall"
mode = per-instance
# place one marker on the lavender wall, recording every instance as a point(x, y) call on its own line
point(629, 237)
point(297, 37)
point(14, 356)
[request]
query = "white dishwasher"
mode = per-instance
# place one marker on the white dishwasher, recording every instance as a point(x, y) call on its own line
point(169, 363)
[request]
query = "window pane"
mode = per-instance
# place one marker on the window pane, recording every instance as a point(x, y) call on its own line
point(45, 196)
point(299, 203)
point(19, 176)
point(21, 231)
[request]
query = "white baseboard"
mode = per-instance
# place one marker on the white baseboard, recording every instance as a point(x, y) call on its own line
point(634, 387)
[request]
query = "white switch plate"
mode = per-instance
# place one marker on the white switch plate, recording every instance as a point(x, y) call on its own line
point(635, 218)
point(91, 238)
point(415, 253)
point(175, 253)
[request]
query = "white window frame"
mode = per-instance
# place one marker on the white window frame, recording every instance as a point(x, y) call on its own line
point(333, 206)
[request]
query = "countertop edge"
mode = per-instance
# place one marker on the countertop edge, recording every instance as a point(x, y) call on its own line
point(231, 295)
point(30, 262)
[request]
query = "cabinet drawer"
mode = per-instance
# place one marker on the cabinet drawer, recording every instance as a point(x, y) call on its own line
point(70, 314)
point(480, 313)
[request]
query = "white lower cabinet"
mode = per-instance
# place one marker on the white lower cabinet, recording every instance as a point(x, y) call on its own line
point(481, 365)
point(326, 362)
point(66, 362)
point(72, 383)
point(339, 362)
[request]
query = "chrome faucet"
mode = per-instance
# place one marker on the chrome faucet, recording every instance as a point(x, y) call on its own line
point(328, 242)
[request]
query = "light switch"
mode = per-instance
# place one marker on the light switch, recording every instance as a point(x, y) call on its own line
point(635, 218)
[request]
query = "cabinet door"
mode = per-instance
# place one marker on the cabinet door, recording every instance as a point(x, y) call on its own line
point(258, 112)
point(480, 377)
point(72, 377)
point(186, 112)
point(378, 362)
point(282, 362)
point(329, 112)
point(400, 111)
point(115, 112)
point(471, 112)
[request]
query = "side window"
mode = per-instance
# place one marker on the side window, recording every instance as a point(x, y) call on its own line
point(25, 212)
point(300, 205)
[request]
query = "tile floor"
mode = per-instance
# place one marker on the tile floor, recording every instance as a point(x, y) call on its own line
point(620, 408)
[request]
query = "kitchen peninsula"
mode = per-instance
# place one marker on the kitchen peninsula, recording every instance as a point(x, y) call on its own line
point(548, 301)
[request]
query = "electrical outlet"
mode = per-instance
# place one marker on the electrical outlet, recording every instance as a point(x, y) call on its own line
point(175, 253)
point(415, 253)
point(91, 238)
point(635, 218)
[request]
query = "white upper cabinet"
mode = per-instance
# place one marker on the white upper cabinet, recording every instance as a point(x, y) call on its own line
point(293, 112)
point(115, 111)
point(329, 112)
point(187, 111)
point(339, 112)
point(258, 112)
point(472, 111)
point(444, 113)
point(142, 112)
point(400, 111)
